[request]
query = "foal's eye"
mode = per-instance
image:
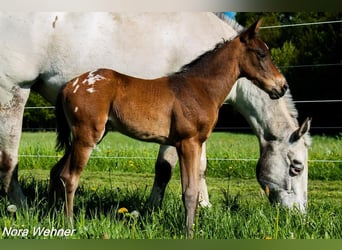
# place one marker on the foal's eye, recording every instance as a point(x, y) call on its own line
point(260, 53)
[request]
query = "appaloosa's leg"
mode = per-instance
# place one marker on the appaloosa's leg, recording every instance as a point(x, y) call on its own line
point(11, 114)
point(166, 162)
point(189, 152)
point(203, 194)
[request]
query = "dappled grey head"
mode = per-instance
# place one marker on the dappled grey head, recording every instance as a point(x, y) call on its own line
point(282, 169)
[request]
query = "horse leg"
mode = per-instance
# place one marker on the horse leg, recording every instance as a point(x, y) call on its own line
point(203, 194)
point(85, 137)
point(56, 189)
point(83, 143)
point(189, 152)
point(11, 114)
point(166, 162)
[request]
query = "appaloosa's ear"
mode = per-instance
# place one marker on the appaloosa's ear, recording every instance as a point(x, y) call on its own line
point(302, 130)
point(251, 32)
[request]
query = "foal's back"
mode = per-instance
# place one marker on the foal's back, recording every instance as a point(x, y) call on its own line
point(136, 107)
point(161, 110)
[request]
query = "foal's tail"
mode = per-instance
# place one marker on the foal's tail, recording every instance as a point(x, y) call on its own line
point(63, 130)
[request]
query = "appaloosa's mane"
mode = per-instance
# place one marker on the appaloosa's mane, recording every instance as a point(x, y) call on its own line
point(288, 100)
point(290, 104)
point(206, 56)
point(231, 22)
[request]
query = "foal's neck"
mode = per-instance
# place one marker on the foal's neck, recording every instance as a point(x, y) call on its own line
point(216, 71)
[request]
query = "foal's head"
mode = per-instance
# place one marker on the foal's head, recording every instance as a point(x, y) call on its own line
point(256, 64)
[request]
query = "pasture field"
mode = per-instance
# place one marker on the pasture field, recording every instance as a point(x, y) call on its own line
point(240, 209)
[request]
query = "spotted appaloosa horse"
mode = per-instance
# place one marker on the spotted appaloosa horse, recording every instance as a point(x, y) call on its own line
point(43, 50)
point(179, 110)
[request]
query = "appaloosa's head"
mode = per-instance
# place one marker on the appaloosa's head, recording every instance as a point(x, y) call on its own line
point(256, 63)
point(282, 169)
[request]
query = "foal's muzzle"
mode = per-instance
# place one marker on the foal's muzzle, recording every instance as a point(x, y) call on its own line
point(276, 94)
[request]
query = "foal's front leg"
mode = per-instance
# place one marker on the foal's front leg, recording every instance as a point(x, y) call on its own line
point(189, 152)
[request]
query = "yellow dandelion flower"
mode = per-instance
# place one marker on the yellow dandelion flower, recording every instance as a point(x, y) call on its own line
point(105, 236)
point(131, 163)
point(122, 210)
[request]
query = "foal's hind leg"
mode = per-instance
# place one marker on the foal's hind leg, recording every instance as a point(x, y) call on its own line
point(71, 173)
point(86, 136)
point(56, 189)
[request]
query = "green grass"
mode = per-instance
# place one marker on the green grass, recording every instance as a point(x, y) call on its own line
point(139, 157)
point(323, 149)
point(240, 209)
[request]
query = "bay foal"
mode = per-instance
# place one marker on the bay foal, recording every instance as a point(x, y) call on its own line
point(179, 110)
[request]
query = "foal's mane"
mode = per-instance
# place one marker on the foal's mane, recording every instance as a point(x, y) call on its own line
point(202, 60)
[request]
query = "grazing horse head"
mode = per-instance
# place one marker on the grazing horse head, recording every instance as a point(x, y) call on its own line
point(282, 169)
point(267, 77)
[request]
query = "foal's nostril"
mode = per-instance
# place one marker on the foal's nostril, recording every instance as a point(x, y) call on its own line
point(284, 88)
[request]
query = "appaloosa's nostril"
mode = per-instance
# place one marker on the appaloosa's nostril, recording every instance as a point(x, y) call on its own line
point(296, 169)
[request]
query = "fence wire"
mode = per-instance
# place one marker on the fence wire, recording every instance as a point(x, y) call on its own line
point(154, 158)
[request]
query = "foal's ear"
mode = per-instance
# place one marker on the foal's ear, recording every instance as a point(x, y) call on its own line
point(251, 32)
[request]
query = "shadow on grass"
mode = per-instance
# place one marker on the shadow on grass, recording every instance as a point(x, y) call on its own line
point(107, 201)
point(90, 201)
